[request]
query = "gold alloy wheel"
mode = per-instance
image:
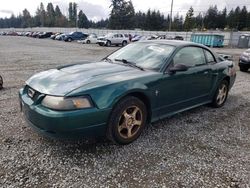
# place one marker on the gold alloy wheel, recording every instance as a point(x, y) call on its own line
point(221, 97)
point(130, 122)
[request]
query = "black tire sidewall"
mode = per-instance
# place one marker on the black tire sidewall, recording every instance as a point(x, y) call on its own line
point(108, 43)
point(116, 113)
point(1, 82)
point(243, 68)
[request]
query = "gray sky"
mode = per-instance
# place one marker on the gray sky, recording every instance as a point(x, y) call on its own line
point(97, 9)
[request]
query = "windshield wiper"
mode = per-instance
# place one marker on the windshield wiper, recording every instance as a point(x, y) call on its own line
point(108, 60)
point(130, 63)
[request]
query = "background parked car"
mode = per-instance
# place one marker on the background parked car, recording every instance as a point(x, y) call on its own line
point(35, 34)
point(113, 39)
point(12, 33)
point(75, 36)
point(244, 62)
point(91, 39)
point(178, 38)
point(54, 35)
point(60, 37)
point(44, 35)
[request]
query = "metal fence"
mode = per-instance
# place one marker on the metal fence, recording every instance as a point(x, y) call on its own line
point(230, 38)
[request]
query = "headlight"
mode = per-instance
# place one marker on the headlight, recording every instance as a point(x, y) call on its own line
point(61, 103)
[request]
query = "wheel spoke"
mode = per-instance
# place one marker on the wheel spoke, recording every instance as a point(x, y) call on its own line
point(126, 115)
point(129, 134)
point(122, 126)
point(135, 112)
point(137, 122)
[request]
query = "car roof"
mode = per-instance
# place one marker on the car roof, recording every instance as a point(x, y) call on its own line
point(176, 43)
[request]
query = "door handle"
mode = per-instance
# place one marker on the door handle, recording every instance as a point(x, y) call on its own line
point(206, 72)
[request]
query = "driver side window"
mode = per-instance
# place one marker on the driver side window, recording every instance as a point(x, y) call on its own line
point(190, 56)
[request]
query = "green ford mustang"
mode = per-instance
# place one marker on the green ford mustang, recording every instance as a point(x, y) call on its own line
point(117, 96)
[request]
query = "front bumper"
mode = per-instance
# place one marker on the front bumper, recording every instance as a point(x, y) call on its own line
point(244, 62)
point(103, 42)
point(64, 124)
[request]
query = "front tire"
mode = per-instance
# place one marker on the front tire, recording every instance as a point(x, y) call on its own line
point(88, 42)
point(221, 94)
point(127, 121)
point(69, 39)
point(108, 44)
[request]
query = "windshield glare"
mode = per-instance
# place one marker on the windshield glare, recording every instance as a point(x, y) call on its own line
point(146, 55)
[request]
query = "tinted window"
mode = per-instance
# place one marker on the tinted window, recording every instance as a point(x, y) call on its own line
point(210, 57)
point(190, 56)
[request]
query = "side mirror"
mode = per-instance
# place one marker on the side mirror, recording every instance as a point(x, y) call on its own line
point(178, 68)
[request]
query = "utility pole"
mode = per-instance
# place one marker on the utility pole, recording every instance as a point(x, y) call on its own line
point(76, 17)
point(170, 21)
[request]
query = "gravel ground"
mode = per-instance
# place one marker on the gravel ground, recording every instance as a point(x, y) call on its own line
point(203, 147)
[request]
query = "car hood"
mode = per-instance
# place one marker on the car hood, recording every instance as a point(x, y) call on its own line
point(64, 80)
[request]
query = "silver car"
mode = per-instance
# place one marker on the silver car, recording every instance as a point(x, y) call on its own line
point(244, 61)
point(113, 39)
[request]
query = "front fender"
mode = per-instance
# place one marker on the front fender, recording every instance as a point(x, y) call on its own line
point(108, 96)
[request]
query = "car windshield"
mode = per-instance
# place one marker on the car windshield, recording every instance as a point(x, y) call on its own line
point(146, 55)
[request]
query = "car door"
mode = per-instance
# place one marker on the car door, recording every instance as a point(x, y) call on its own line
point(120, 39)
point(115, 39)
point(180, 90)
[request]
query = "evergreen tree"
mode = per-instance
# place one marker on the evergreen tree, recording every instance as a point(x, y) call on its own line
point(41, 15)
point(199, 21)
point(248, 21)
point(189, 20)
point(74, 13)
point(70, 9)
point(210, 20)
point(60, 19)
point(243, 18)
point(122, 15)
point(223, 19)
point(236, 19)
point(230, 19)
point(177, 23)
point(26, 19)
point(83, 21)
point(50, 15)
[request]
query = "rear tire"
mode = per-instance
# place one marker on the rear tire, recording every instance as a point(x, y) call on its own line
point(243, 68)
point(127, 121)
point(124, 43)
point(221, 94)
point(88, 42)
